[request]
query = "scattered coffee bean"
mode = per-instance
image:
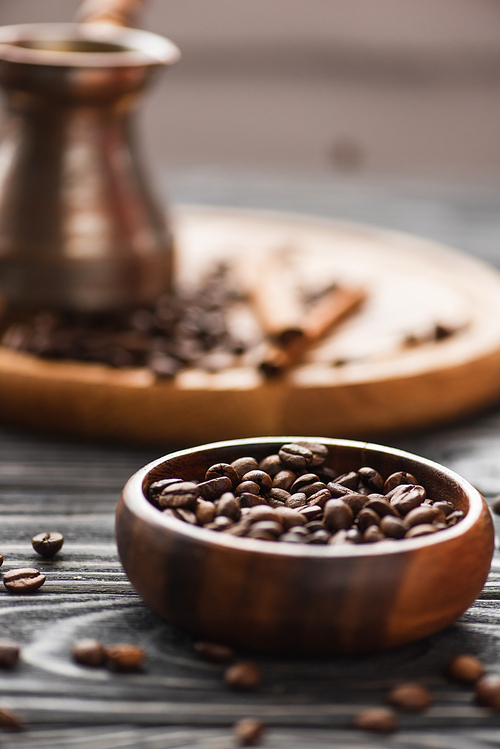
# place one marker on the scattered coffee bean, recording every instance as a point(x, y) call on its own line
point(89, 652)
point(244, 500)
point(410, 696)
point(377, 719)
point(243, 676)
point(23, 580)
point(47, 544)
point(487, 691)
point(181, 330)
point(125, 657)
point(465, 668)
point(214, 652)
point(10, 719)
point(248, 732)
point(495, 505)
point(9, 653)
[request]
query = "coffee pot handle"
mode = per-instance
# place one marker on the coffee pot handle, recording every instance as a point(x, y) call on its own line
point(118, 12)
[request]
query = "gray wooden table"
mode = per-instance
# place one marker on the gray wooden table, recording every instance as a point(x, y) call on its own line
point(52, 483)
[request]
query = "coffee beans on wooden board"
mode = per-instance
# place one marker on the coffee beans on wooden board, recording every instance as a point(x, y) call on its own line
point(23, 580)
point(120, 656)
point(47, 544)
point(188, 329)
point(293, 497)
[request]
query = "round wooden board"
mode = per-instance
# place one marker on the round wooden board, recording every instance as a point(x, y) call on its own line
point(383, 386)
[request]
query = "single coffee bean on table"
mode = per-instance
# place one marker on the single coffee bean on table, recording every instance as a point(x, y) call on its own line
point(466, 668)
point(243, 676)
point(125, 657)
point(89, 652)
point(411, 697)
point(10, 719)
point(248, 732)
point(23, 580)
point(293, 497)
point(377, 719)
point(47, 544)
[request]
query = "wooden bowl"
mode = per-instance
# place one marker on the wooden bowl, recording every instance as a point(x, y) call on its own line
point(281, 597)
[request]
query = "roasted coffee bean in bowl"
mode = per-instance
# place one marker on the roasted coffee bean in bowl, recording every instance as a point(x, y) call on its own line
point(304, 545)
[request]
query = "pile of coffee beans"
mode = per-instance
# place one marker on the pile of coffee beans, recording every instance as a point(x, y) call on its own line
point(292, 496)
point(185, 329)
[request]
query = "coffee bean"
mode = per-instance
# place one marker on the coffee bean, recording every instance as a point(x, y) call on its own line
point(349, 480)
point(223, 469)
point(377, 719)
point(47, 544)
point(424, 514)
point(205, 511)
point(262, 479)
point(381, 507)
point(280, 494)
point(243, 676)
point(373, 534)
point(319, 537)
point(284, 480)
point(229, 506)
point(353, 535)
point(125, 657)
point(89, 652)
point(178, 494)
point(9, 653)
point(289, 517)
point(247, 487)
point(244, 465)
point(454, 517)
point(393, 527)
point(10, 719)
point(319, 451)
point(465, 668)
point(296, 500)
point(296, 457)
point(487, 691)
point(266, 530)
point(410, 696)
point(214, 488)
point(214, 652)
point(446, 507)
point(395, 479)
point(355, 501)
point(247, 499)
point(338, 490)
point(366, 518)
point(271, 465)
point(23, 580)
point(187, 515)
point(221, 522)
point(337, 515)
point(425, 529)
point(262, 512)
point(292, 538)
point(157, 487)
point(300, 484)
point(371, 478)
point(248, 732)
point(320, 498)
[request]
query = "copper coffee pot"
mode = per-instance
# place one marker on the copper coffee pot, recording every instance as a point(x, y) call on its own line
point(79, 229)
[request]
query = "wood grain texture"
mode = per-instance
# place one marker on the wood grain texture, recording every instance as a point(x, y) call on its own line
point(178, 700)
point(412, 284)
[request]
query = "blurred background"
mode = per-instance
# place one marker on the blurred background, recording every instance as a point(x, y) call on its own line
point(374, 86)
point(342, 107)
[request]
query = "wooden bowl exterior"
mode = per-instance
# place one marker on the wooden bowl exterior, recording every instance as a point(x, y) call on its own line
point(283, 598)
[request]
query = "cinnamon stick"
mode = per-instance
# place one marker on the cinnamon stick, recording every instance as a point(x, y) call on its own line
point(316, 323)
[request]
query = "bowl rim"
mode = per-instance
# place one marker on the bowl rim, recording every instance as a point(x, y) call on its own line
point(142, 48)
point(136, 501)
